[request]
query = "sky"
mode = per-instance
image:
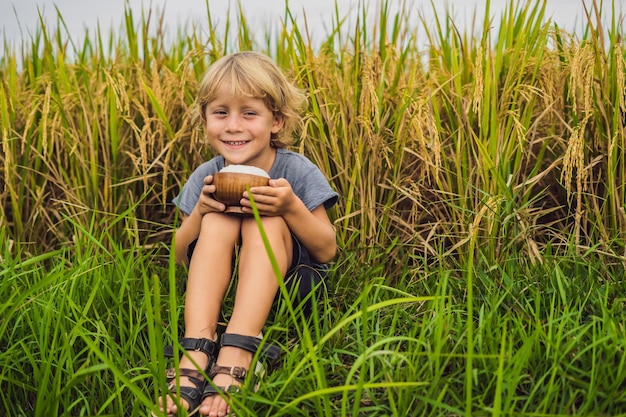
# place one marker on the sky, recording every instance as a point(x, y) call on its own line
point(19, 18)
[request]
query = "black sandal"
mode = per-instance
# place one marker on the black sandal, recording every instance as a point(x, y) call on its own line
point(270, 353)
point(193, 395)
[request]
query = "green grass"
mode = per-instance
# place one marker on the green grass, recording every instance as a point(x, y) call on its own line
point(481, 223)
point(83, 331)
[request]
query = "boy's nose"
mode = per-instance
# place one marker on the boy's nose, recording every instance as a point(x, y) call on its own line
point(234, 123)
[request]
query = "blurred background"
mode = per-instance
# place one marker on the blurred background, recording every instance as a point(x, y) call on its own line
point(19, 18)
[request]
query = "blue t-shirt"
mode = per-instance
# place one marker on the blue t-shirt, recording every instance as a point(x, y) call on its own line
point(305, 178)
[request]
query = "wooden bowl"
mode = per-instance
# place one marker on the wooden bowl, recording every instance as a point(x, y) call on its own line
point(230, 186)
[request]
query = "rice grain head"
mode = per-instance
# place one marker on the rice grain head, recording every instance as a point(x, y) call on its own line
point(574, 159)
point(479, 86)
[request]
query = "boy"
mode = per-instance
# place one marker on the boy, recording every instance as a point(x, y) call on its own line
point(248, 110)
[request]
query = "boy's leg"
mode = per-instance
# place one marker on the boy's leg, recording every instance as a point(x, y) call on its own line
point(256, 288)
point(257, 285)
point(210, 270)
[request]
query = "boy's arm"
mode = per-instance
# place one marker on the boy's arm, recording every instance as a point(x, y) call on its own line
point(188, 231)
point(313, 230)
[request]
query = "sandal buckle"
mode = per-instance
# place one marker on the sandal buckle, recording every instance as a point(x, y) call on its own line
point(199, 345)
point(238, 372)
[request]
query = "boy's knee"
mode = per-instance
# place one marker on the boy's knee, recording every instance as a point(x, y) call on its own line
point(275, 229)
point(219, 222)
point(273, 226)
point(221, 227)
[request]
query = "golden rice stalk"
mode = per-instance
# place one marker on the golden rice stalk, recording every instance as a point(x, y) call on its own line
point(620, 76)
point(479, 86)
point(582, 78)
point(574, 159)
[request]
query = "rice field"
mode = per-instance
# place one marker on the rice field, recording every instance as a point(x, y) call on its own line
point(481, 225)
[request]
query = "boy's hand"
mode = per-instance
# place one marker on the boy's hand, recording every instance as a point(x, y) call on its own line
point(273, 200)
point(206, 202)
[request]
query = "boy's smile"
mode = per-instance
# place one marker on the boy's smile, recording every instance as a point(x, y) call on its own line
point(240, 128)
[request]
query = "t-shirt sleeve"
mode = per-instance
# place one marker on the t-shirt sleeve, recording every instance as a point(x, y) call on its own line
point(314, 189)
point(189, 195)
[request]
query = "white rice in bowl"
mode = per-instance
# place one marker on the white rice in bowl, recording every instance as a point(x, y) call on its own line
point(245, 169)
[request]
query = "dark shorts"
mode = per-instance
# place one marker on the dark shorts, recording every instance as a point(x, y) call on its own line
point(303, 280)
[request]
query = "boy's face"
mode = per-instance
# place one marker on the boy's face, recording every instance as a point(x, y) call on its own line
point(239, 129)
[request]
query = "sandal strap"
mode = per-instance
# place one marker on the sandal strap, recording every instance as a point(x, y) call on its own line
point(170, 374)
point(206, 346)
point(237, 372)
point(210, 390)
point(192, 395)
point(251, 344)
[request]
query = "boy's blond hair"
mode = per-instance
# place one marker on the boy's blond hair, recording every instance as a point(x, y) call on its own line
point(252, 74)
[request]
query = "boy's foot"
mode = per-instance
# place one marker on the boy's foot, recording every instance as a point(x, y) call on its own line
point(191, 383)
point(228, 374)
point(201, 355)
point(231, 368)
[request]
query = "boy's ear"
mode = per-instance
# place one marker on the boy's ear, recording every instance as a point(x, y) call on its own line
point(279, 122)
